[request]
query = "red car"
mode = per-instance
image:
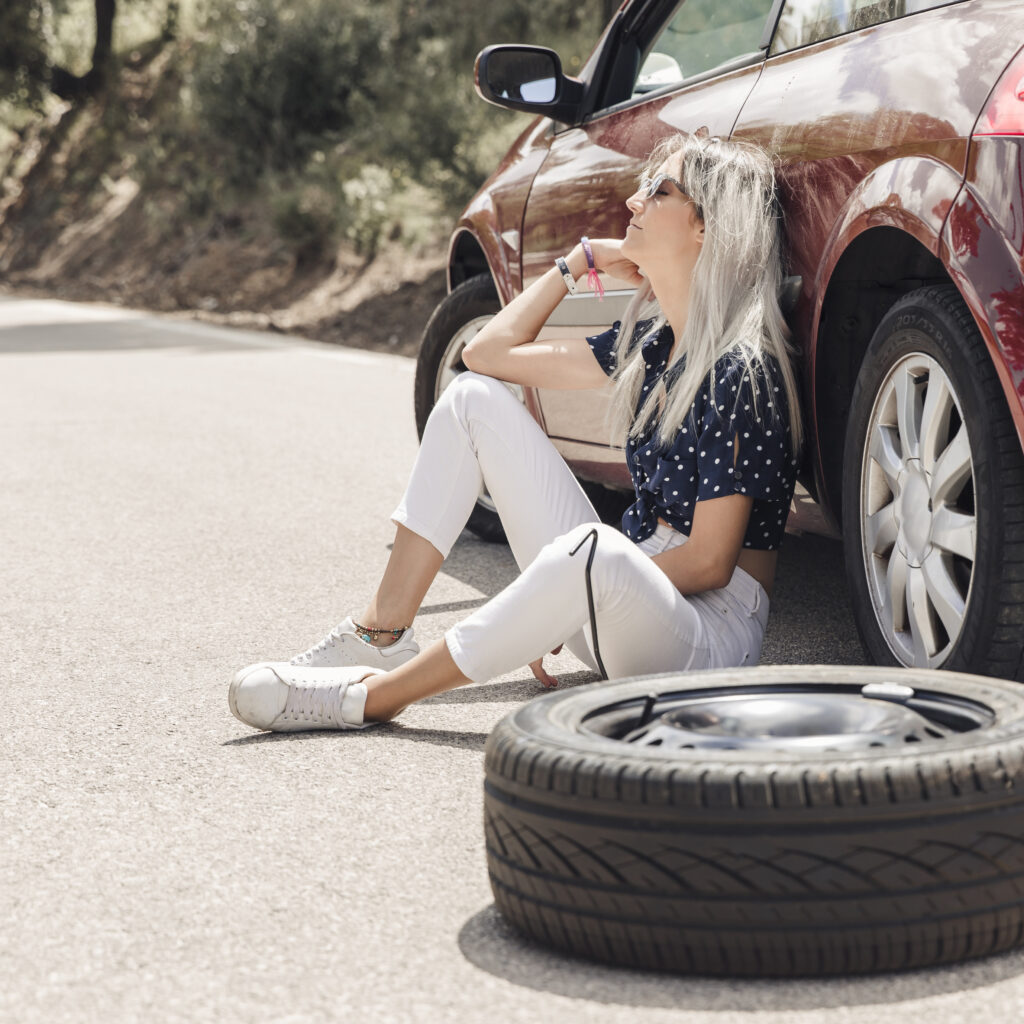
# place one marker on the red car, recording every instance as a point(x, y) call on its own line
point(899, 129)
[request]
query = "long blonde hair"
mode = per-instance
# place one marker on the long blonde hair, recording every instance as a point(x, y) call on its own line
point(734, 290)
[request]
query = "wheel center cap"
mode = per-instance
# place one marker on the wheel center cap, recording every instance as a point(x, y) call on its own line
point(915, 512)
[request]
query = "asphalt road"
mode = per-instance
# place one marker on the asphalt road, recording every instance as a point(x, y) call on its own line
point(178, 501)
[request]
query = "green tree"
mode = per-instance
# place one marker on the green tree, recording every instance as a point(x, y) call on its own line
point(389, 81)
point(23, 60)
point(26, 71)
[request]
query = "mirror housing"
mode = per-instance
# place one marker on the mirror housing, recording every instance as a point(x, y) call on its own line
point(528, 78)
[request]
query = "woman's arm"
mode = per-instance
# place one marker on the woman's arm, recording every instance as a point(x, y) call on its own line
point(506, 347)
point(707, 560)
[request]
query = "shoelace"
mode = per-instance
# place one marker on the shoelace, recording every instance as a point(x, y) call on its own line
point(310, 702)
point(317, 648)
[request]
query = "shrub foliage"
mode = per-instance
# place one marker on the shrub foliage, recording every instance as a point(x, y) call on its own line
point(344, 119)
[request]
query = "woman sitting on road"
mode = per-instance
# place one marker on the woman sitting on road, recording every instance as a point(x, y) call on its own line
point(706, 401)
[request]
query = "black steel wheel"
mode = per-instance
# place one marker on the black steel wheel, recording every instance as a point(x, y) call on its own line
point(783, 820)
point(933, 496)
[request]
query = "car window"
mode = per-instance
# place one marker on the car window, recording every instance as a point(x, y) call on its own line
point(700, 36)
point(810, 21)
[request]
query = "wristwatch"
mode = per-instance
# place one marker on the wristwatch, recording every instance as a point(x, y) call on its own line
point(563, 269)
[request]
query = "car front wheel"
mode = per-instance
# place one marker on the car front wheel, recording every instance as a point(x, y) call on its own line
point(933, 496)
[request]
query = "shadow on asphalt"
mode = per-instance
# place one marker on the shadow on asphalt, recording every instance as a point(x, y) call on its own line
point(117, 335)
point(515, 691)
point(451, 606)
point(392, 731)
point(487, 568)
point(811, 620)
point(491, 944)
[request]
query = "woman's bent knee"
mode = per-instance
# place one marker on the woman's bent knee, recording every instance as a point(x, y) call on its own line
point(607, 540)
point(470, 390)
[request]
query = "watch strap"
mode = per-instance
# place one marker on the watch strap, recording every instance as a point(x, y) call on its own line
point(563, 269)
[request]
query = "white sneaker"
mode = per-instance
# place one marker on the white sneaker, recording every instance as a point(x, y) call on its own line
point(342, 646)
point(290, 698)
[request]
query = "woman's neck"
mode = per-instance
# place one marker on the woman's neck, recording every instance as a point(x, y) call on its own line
point(674, 301)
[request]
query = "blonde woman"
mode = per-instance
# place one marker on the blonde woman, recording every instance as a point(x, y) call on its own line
point(706, 403)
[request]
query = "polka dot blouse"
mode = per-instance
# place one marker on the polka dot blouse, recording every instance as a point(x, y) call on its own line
point(701, 463)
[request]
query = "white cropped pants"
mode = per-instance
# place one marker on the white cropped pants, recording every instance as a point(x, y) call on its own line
point(479, 433)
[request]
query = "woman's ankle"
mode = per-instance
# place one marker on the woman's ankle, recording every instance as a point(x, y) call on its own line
point(371, 631)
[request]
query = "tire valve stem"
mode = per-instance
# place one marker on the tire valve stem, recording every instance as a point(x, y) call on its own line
point(648, 711)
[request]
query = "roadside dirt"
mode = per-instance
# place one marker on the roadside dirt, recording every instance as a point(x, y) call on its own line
point(381, 305)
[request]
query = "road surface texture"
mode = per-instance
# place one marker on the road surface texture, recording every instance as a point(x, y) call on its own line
point(178, 501)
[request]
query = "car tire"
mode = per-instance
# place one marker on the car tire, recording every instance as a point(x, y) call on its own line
point(776, 860)
point(933, 496)
point(457, 318)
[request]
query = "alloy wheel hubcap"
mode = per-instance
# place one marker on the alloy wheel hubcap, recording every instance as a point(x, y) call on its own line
point(919, 527)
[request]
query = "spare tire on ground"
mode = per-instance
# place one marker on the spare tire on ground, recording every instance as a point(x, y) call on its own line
point(783, 820)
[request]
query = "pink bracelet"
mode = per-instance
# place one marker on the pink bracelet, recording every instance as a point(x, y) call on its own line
point(593, 281)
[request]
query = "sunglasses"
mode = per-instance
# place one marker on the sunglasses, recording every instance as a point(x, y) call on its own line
point(649, 186)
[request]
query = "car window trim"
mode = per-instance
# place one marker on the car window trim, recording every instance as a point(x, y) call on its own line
point(634, 22)
point(747, 60)
point(863, 28)
point(771, 24)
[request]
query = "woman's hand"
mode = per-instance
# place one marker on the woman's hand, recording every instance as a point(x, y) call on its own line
point(608, 258)
point(537, 668)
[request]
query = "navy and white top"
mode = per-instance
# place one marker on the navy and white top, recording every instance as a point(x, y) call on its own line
point(701, 462)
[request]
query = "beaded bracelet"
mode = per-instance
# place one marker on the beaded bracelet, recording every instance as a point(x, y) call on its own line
point(593, 281)
point(369, 633)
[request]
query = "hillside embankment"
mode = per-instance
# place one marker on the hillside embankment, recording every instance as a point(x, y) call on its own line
point(92, 208)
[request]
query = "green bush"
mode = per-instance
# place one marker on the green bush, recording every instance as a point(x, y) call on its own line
point(305, 216)
point(277, 81)
point(334, 120)
point(389, 80)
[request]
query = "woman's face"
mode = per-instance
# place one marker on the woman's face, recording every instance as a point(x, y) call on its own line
point(665, 234)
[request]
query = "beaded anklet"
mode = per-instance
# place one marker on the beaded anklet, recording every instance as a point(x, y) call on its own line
point(370, 634)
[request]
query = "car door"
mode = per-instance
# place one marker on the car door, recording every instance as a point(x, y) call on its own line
point(697, 62)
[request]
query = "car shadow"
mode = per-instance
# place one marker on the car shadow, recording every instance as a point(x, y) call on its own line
point(811, 619)
point(488, 942)
point(487, 568)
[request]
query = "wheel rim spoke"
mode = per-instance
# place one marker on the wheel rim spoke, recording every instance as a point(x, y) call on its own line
point(908, 394)
point(943, 593)
point(938, 405)
point(885, 453)
point(881, 529)
point(924, 638)
point(894, 597)
point(954, 532)
point(952, 468)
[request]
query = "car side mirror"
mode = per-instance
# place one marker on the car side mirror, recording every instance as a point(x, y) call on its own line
point(528, 78)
